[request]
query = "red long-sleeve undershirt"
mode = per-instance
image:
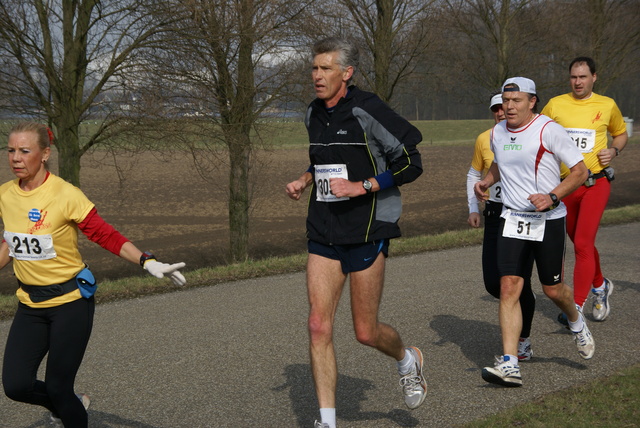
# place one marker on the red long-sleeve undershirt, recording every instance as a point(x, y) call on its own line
point(102, 233)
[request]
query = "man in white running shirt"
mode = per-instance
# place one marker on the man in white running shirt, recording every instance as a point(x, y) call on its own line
point(482, 160)
point(528, 149)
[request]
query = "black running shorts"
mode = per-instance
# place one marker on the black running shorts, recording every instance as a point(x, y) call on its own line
point(549, 253)
point(354, 257)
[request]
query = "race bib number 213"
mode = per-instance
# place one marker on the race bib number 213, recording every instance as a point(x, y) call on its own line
point(24, 246)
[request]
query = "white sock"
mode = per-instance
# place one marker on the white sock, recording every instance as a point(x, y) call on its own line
point(576, 326)
point(512, 359)
point(406, 364)
point(328, 416)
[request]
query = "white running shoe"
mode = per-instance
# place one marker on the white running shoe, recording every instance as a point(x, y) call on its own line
point(84, 399)
point(584, 340)
point(524, 349)
point(601, 306)
point(317, 424)
point(504, 372)
point(414, 385)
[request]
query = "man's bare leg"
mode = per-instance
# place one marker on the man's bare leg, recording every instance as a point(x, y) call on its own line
point(366, 292)
point(510, 313)
point(325, 282)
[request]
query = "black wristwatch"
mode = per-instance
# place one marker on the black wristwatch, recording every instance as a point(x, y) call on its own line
point(554, 199)
point(617, 151)
point(147, 255)
point(367, 186)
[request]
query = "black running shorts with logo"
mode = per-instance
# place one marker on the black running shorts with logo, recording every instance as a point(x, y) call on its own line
point(549, 253)
point(354, 257)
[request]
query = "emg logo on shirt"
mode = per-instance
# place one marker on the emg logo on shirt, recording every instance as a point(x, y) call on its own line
point(510, 147)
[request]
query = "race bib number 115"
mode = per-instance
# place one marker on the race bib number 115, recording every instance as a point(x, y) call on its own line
point(585, 139)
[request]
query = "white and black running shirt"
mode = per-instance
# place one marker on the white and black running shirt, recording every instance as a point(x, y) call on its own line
point(529, 161)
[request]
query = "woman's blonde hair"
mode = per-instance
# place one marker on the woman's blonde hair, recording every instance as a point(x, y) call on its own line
point(45, 136)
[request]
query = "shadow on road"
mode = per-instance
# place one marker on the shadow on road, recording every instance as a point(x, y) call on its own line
point(351, 392)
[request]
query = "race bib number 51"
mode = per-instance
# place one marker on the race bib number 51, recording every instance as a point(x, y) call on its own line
point(324, 173)
point(24, 246)
point(524, 225)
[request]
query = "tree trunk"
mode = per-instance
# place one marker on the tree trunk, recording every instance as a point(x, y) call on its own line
point(69, 154)
point(239, 156)
point(241, 116)
point(383, 37)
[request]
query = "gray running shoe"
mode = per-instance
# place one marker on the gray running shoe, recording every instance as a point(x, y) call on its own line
point(414, 385)
point(601, 306)
point(584, 341)
point(317, 424)
point(524, 349)
point(57, 422)
point(504, 372)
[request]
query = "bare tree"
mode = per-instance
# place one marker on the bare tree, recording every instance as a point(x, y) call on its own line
point(606, 30)
point(60, 59)
point(391, 34)
point(395, 37)
point(490, 40)
point(485, 41)
point(228, 64)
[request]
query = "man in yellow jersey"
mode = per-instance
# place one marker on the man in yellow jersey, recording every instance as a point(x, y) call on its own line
point(482, 159)
point(588, 117)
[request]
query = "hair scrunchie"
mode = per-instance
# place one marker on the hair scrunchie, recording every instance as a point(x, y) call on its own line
point(50, 135)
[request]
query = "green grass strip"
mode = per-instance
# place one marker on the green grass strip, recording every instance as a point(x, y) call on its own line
point(604, 402)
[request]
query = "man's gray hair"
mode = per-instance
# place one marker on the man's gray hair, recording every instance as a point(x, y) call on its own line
point(348, 53)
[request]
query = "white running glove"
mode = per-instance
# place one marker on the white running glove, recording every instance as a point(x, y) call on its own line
point(160, 270)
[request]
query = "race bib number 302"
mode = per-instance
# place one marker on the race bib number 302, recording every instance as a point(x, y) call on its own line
point(323, 175)
point(524, 225)
point(24, 246)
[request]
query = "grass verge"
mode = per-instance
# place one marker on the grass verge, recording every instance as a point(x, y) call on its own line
point(144, 285)
point(604, 402)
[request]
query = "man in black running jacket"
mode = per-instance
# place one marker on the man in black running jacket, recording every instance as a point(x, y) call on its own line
point(360, 152)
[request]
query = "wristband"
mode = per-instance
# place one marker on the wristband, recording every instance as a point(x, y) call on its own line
point(147, 255)
point(617, 151)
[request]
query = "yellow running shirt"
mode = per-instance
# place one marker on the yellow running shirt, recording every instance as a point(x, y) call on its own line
point(482, 160)
point(41, 229)
point(482, 154)
point(587, 122)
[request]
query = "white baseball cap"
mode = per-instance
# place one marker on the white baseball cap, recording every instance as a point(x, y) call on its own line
point(523, 84)
point(496, 100)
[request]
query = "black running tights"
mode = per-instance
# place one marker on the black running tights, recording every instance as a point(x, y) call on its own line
point(63, 332)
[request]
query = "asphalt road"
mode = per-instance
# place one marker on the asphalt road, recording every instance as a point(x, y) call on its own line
point(235, 355)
